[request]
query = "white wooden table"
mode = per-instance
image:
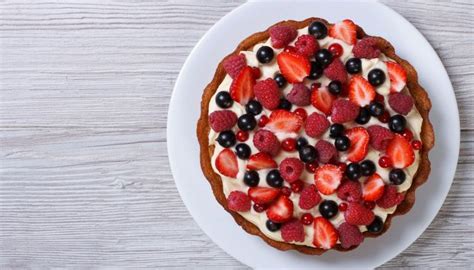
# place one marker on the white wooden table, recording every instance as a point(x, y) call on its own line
point(84, 174)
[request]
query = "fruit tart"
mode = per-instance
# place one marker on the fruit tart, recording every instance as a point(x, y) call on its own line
point(315, 135)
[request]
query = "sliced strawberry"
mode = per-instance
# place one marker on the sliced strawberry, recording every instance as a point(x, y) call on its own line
point(284, 121)
point(327, 178)
point(400, 152)
point(281, 210)
point(359, 138)
point(226, 163)
point(325, 235)
point(263, 195)
point(345, 30)
point(294, 67)
point(361, 92)
point(373, 188)
point(397, 75)
point(260, 161)
point(322, 100)
point(241, 89)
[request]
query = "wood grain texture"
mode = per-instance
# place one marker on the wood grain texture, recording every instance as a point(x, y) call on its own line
point(84, 174)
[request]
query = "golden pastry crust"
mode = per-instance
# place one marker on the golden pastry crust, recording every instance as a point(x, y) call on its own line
point(421, 100)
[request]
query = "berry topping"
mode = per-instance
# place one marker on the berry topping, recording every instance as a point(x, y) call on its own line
point(345, 31)
point(384, 118)
point(265, 54)
point(301, 113)
point(326, 151)
point(400, 152)
point(260, 161)
point(267, 93)
point(360, 91)
point(307, 219)
point(309, 197)
point(336, 130)
point(306, 45)
point(281, 210)
point(416, 144)
point(318, 29)
point(291, 169)
point(272, 226)
point(397, 75)
point(385, 162)
point(292, 231)
point(300, 142)
point(297, 186)
point(349, 235)
point(263, 195)
point(353, 171)
point(300, 95)
point(316, 71)
point(325, 235)
point(286, 191)
point(400, 103)
point(242, 136)
point(288, 144)
point(323, 57)
point(243, 151)
point(224, 100)
point(336, 49)
point(359, 138)
point(274, 179)
point(284, 121)
point(308, 154)
point(266, 141)
point(376, 226)
point(407, 134)
point(328, 209)
point(311, 167)
point(281, 35)
point(373, 188)
point(397, 176)
point(367, 167)
point(259, 208)
point(379, 137)
point(316, 124)
point(390, 197)
point(363, 117)
point(366, 48)
point(234, 64)
point(222, 120)
point(294, 67)
point(226, 163)
point(284, 104)
point(246, 122)
point(226, 138)
point(354, 65)
point(263, 121)
point(336, 71)
point(376, 77)
point(253, 107)
point(238, 201)
point(342, 143)
point(376, 108)
point(344, 111)
point(280, 80)
point(322, 100)
point(327, 178)
point(357, 214)
point(241, 89)
point(342, 206)
point(251, 178)
point(256, 72)
point(350, 191)
point(397, 123)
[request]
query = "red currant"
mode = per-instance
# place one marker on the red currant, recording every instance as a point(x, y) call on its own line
point(342, 166)
point(256, 72)
point(259, 208)
point(311, 167)
point(290, 49)
point(416, 144)
point(379, 98)
point(288, 144)
point(385, 117)
point(242, 136)
point(369, 205)
point(407, 134)
point(286, 191)
point(342, 206)
point(263, 121)
point(315, 86)
point(385, 162)
point(307, 219)
point(301, 113)
point(297, 186)
point(336, 49)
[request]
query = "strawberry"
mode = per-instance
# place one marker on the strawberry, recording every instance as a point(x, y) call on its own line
point(263, 195)
point(226, 163)
point(241, 89)
point(400, 152)
point(325, 235)
point(361, 92)
point(281, 210)
point(345, 30)
point(373, 188)
point(284, 121)
point(322, 100)
point(359, 138)
point(327, 178)
point(397, 75)
point(294, 67)
point(260, 161)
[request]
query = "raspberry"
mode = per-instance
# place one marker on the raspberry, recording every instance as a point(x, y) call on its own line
point(238, 201)
point(390, 197)
point(292, 231)
point(350, 191)
point(266, 141)
point(366, 48)
point(357, 214)
point(349, 235)
point(326, 151)
point(379, 137)
point(336, 71)
point(281, 35)
point(267, 93)
point(316, 124)
point(300, 95)
point(291, 169)
point(234, 64)
point(222, 120)
point(343, 111)
point(309, 197)
point(306, 45)
point(400, 103)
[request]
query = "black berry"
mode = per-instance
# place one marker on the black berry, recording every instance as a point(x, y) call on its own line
point(254, 107)
point(224, 100)
point(265, 54)
point(376, 108)
point(280, 80)
point(367, 167)
point(247, 122)
point(285, 104)
point(397, 176)
point(376, 77)
point(251, 178)
point(323, 57)
point(342, 143)
point(363, 117)
point(274, 179)
point(376, 226)
point(318, 30)
point(300, 142)
point(226, 138)
point(328, 208)
point(316, 71)
point(335, 87)
point(243, 150)
point(354, 65)
point(336, 130)
point(308, 153)
point(353, 171)
point(397, 123)
point(272, 226)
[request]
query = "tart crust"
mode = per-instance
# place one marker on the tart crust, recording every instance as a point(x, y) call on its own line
point(421, 100)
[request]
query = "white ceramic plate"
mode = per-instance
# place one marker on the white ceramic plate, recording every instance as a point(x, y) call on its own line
point(198, 70)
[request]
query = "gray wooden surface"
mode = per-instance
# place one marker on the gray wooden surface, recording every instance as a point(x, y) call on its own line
point(85, 180)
